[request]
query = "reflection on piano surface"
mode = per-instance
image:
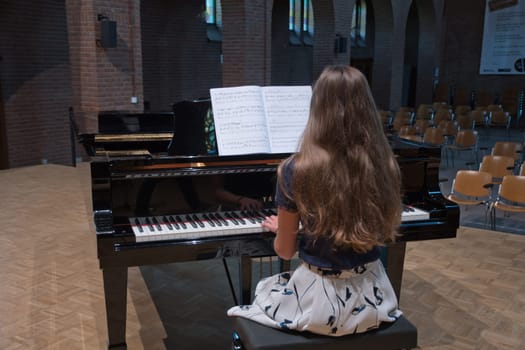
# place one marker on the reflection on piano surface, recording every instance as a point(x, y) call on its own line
point(163, 209)
point(123, 133)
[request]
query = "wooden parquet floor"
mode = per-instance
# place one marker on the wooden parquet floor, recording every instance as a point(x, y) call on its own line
point(462, 293)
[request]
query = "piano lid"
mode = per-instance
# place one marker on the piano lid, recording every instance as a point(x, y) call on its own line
point(122, 122)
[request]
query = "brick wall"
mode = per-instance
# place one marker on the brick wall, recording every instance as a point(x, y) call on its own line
point(35, 78)
point(50, 59)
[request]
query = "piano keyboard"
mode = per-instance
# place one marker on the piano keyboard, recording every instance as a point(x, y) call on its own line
point(225, 223)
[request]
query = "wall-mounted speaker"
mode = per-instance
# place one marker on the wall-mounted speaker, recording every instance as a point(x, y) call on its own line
point(108, 34)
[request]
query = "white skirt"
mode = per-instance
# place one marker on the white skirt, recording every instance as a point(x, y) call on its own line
point(324, 301)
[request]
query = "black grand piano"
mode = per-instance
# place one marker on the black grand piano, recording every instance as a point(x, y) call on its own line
point(161, 208)
point(129, 133)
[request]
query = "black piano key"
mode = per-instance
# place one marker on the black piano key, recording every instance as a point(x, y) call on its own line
point(180, 222)
point(256, 216)
point(239, 218)
point(191, 221)
point(166, 222)
point(157, 223)
point(248, 216)
point(210, 220)
point(215, 219)
point(223, 220)
point(150, 225)
point(139, 226)
point(197, 220)
point(174, 222)
point(231, 218)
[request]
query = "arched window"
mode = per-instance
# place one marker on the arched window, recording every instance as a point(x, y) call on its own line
point(301, 22)
point(214, 20)
point(358, 33)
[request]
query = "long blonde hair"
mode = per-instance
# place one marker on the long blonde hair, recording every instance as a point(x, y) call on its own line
point(347, 184)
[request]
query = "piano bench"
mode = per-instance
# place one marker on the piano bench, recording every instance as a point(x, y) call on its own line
point(249, 335)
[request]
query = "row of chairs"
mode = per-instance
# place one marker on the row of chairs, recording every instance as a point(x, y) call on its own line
point(465, 118)
point(498, 183)
point(475, 187)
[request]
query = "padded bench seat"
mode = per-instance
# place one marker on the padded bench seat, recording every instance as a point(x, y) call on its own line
point(249, 335)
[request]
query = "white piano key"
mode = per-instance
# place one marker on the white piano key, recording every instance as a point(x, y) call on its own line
point(212, 226)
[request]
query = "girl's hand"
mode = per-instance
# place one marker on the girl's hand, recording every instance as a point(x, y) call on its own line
point(270, 223)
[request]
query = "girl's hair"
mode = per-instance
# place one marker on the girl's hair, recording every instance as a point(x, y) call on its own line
point(347, 183)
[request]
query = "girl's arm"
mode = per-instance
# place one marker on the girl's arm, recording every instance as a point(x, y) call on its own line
point(285, 225)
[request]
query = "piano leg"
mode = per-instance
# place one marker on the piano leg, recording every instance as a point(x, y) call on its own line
point(115, 292)
point(245, 272)
point(395, 261)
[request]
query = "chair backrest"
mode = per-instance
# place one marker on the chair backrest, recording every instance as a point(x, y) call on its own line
point(438, 105)
point(401, 118)
point(442, 114)
point(465, 121)
point(479, 117)
point(424, 111)
point(433, 136)
point(513, 189)
point(499, 118)
point(407, 130)
point(522, 169)
point(472, 183)
point(386, 116)
point(421, 125)
point(449, 127)
point(466, 138)
point(498, 166)
point(508, 149)
point(461, 109)
point(494, 107)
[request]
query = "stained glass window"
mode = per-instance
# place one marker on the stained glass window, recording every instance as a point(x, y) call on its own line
point(358, 33)
point(301, 19)
point(214, 12)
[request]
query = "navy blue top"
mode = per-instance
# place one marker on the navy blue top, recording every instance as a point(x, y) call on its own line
point(319, 253)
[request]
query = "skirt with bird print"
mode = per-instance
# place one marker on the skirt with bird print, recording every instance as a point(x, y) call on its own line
point(321, 301)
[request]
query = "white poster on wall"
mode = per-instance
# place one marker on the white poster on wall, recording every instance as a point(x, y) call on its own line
point(503, 49)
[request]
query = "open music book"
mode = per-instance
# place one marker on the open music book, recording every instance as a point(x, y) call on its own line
point(254, 119)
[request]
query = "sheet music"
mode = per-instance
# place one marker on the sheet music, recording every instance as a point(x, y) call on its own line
point(239, 117)
point(287, 110)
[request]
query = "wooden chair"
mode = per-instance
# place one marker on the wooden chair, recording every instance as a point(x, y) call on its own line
point(401, 118)
point(462, 109)
point(499, 119)
point(508, 149)
point(434, 137)
point(465, 140)
point(494, 108)
point(479, 117)
point(421, 126)
point(386, 117)
point(522, 169)
point(465, 121)
point(511, 197)
point(450, 129)
point(407, 130)
point(472, 188)
point(439, 105)
point(440, 115)
point(424, 111)
point(497, 166)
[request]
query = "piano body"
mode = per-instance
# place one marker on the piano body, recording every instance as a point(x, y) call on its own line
point(160, 208)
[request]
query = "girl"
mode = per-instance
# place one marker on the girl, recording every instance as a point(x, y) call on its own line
point(341, 192)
